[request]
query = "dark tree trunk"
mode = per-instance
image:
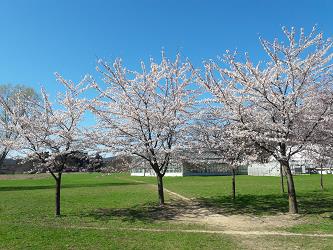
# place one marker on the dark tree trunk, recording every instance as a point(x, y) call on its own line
point(282, 181)
point(233, 184)
point(321, 177)
point(160, 189)
point(293, 208)
point(3, 155)
point(58, 188)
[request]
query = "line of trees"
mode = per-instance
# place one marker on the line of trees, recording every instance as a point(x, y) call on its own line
point(278, 107)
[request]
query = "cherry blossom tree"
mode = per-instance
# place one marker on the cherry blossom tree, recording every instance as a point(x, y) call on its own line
point(275, 102)
point(320, 151)
point(48, 134)
point(144, 113)
point(9, 95)
point(213, 134)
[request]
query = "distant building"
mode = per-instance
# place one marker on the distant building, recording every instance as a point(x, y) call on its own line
point(208, 166)
point(272, 168)
point(300, 163)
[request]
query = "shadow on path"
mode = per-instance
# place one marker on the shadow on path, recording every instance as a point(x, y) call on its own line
point(248, 205)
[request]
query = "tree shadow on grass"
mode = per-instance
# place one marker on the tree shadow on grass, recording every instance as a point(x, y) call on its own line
point(147, 212)
point(23, 188)
point(316, 202)
point(250, 205)
point(309, 203)
point(245, 204)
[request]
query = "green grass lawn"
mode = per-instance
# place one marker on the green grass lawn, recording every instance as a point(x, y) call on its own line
point(27, 218)
point(99, 211)
point(257, 195)
point(35, 237)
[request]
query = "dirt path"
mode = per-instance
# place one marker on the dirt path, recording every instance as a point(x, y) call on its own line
point(250, 232)
point(185, 210)
point(229, 232)
point(194, 212)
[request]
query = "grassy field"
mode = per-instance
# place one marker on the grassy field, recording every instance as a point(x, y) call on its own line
point(102, 212)
point(255, 194)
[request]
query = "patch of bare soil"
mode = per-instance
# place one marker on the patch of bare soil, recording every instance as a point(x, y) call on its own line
point(192, 212)
point(22, 176)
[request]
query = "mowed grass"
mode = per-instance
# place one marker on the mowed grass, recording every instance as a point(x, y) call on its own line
point(101, 211)
point(96, 211)
point(33, 237)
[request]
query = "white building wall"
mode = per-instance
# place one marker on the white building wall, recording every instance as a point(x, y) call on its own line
point(173, 170)
point(325, 171)
point(264, 169)
point(149, 173)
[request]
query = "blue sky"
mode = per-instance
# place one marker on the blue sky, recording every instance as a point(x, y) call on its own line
point(40, 37)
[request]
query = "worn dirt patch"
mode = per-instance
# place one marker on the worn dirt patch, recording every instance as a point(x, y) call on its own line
point(196, 214)
point(188, 211)
point(185, 210)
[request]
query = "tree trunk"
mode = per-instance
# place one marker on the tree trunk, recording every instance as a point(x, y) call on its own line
point(233, 184)
point(293, 208)
point(58, 186)
point(160, 189)
point(3, 155)
point(281, 175)
point(321, 177)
